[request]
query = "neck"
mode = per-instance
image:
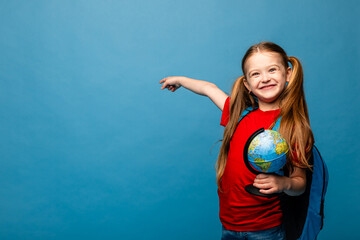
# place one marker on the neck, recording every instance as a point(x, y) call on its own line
point(264, 106)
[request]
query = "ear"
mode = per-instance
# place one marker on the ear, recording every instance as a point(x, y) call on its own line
point(288, 74)
point(246, 84)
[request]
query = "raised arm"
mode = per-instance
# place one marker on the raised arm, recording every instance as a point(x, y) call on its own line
point(197, 86)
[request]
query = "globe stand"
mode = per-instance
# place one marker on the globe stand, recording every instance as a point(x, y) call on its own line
point(250, 188)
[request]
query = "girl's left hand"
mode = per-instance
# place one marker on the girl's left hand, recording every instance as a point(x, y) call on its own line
point(270, 183)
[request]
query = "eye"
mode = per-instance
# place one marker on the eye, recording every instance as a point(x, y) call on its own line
point(272, 69)
point(254, 74)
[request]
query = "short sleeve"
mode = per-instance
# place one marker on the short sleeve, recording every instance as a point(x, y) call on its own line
point(225, 113)
point(295, 160)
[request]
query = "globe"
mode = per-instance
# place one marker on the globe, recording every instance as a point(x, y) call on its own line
point(267, 152)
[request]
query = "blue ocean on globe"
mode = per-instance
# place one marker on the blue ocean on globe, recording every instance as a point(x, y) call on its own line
point(267, 152)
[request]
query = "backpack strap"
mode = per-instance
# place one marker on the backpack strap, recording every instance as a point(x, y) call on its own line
point(277, 125)
point(246, 112)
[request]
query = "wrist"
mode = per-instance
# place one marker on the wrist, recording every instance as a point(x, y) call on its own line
point(294, 186)
point(182, 81)
point(287, 184)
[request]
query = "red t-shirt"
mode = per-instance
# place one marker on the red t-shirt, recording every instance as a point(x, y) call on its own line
point(240, 210)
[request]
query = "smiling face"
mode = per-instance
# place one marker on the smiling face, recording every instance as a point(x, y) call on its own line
point(266, 77)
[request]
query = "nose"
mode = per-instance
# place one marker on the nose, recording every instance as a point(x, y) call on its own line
point(266, 77)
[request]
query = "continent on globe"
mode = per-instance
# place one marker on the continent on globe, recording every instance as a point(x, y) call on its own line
point(253, 144)
point(262, 164)
point(281, 148)
point(276, 136)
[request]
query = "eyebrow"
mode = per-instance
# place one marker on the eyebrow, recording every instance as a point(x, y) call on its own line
point(271, 65)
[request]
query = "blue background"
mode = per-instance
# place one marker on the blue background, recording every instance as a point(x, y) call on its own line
point(91, 148)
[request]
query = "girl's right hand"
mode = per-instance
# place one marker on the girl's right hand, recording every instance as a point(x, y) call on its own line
point(171, 83)
point(197, 86)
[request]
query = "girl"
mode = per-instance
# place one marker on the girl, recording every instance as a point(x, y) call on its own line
point(276, 90)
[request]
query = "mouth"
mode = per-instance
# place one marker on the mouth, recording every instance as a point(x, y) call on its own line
point(267, 86)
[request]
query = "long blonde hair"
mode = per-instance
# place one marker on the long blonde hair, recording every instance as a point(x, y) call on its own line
point(294, 125)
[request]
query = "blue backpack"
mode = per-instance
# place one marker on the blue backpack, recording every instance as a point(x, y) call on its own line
point(303, 216)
